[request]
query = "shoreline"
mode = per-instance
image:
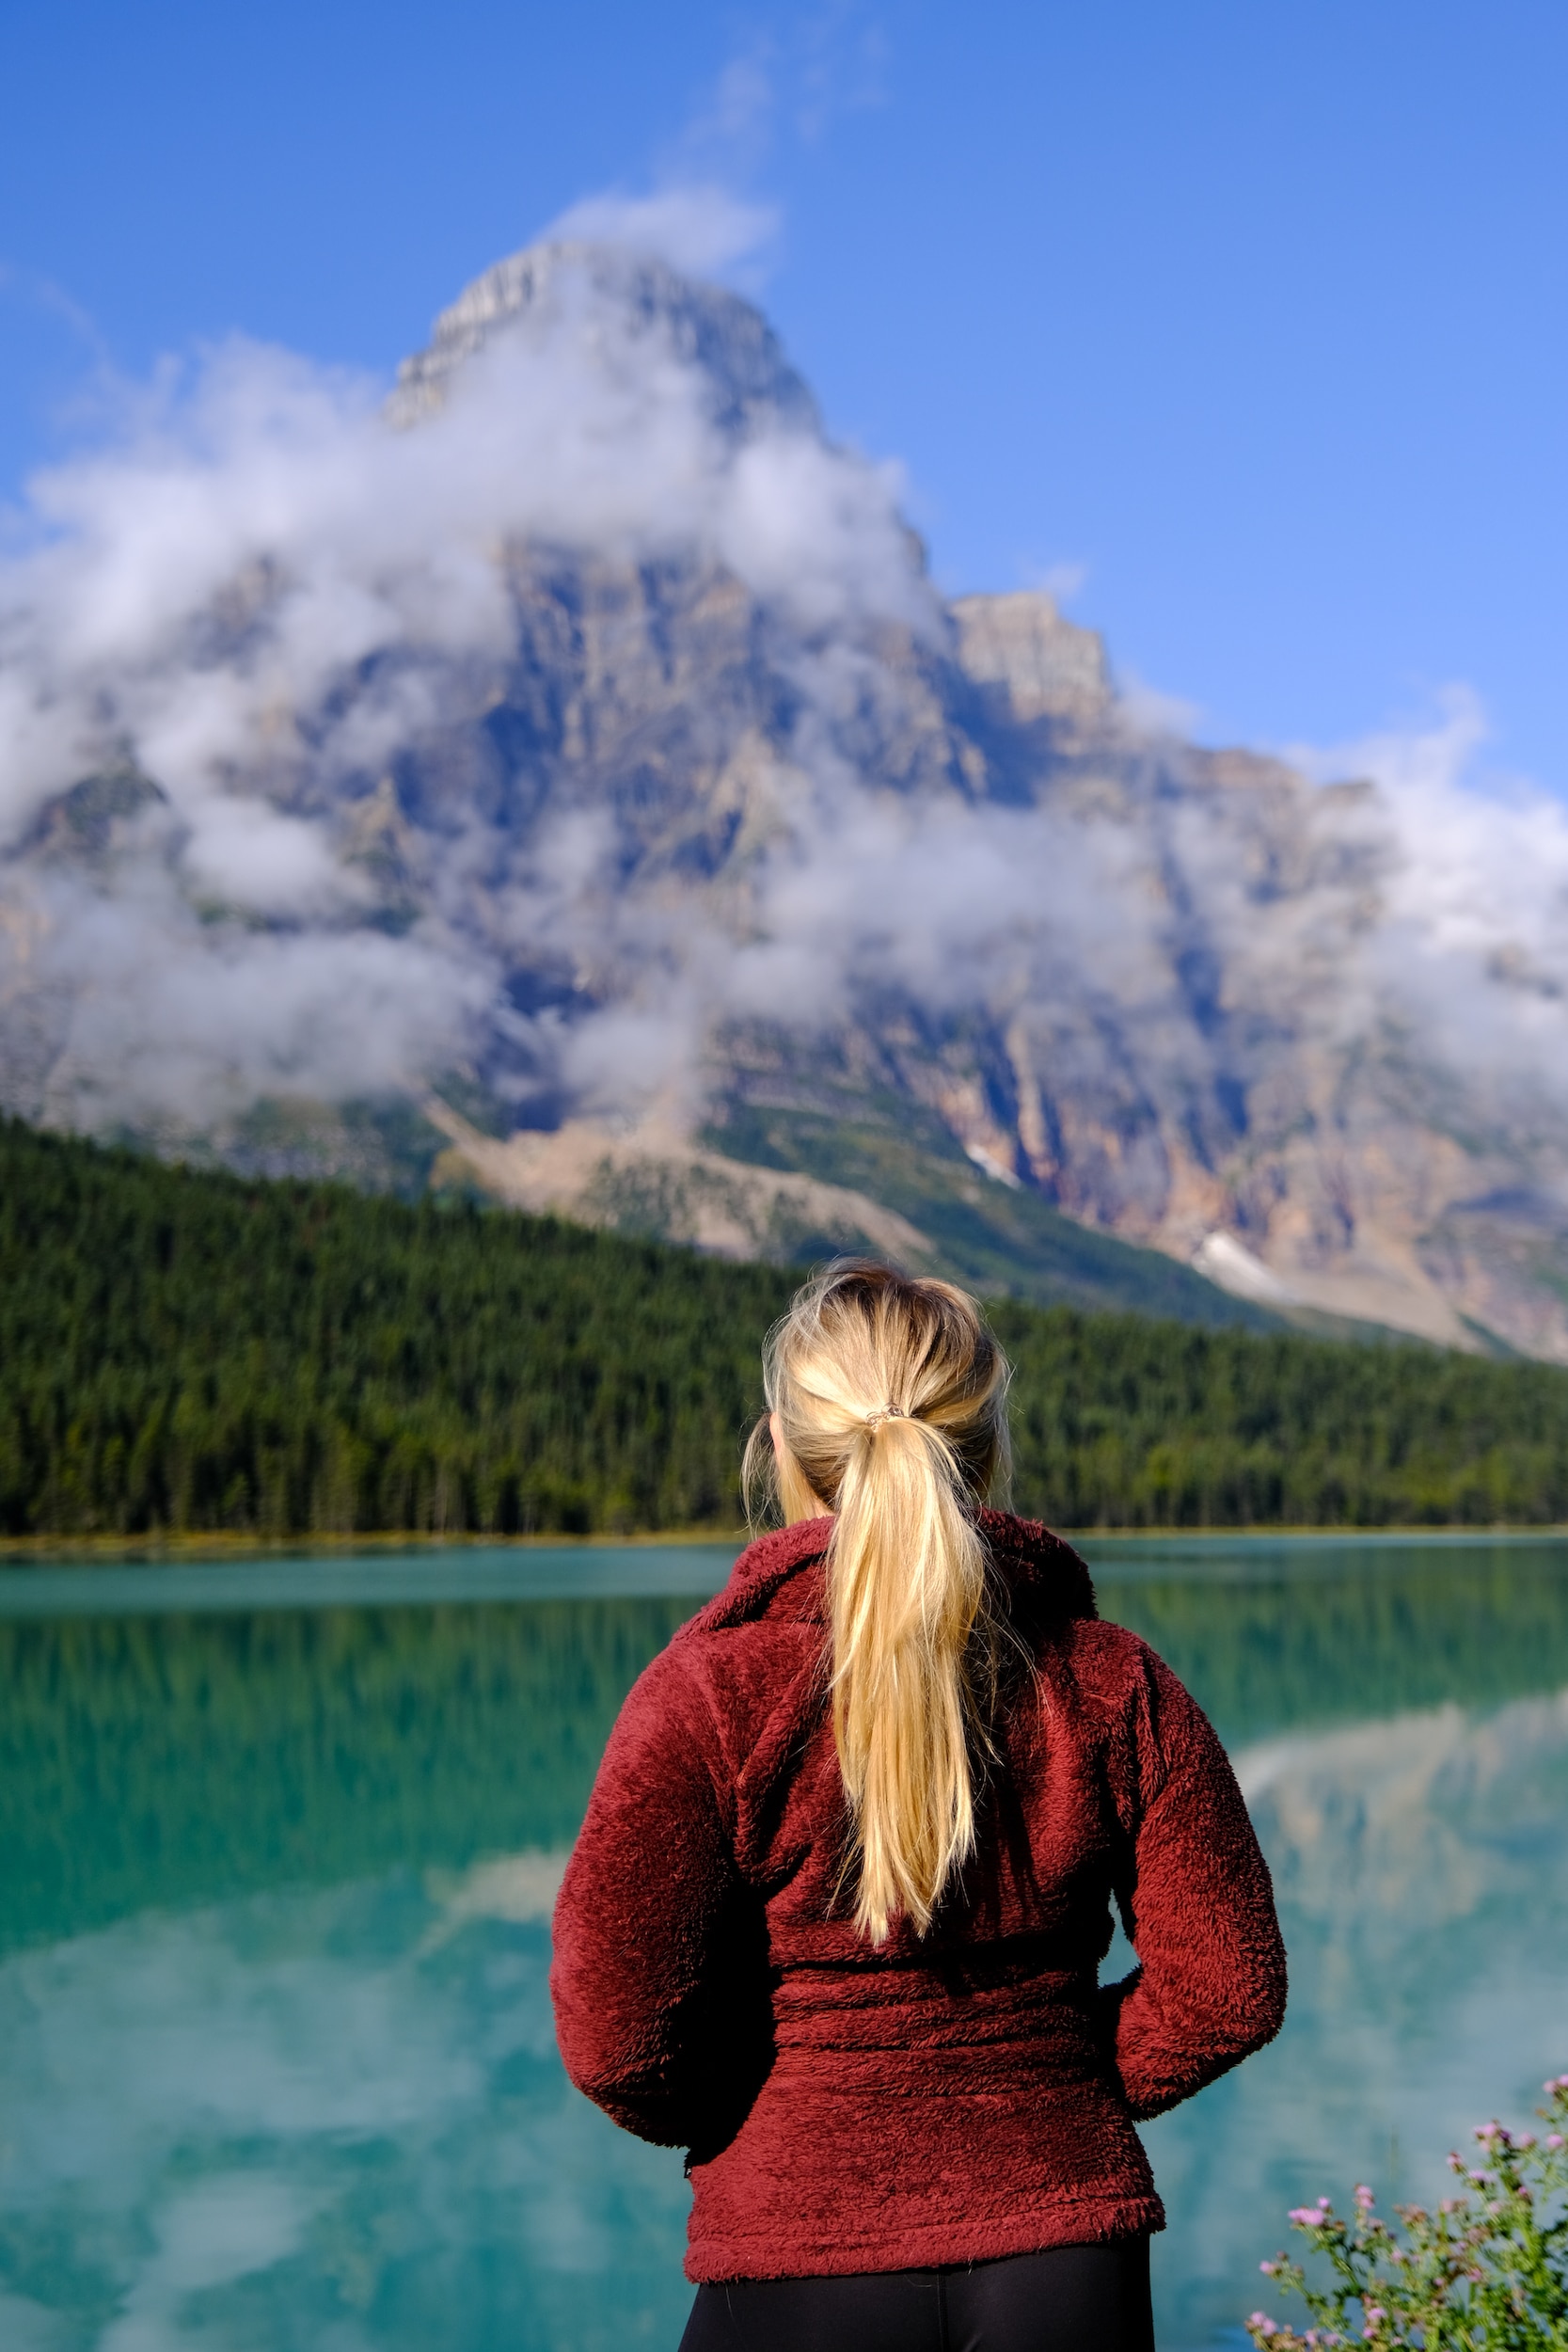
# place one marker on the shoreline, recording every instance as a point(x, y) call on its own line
point(219, 1545)
point(219, 1548)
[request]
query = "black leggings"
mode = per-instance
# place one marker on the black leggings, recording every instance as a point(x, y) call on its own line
point(1071, 2298)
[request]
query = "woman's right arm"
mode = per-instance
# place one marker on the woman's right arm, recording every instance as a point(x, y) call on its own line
point(642, 1908)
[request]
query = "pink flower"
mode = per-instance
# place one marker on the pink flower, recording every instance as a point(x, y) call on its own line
point(1554, 2140)
point(1267, 2269)
point(1263, 2325)
point(1364, 2197)
point(1305, 2217)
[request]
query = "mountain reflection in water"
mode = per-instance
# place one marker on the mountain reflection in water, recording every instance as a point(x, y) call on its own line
point(275, 2059)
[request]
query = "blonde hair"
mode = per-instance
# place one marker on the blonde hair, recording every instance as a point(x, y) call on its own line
point(889, 1397)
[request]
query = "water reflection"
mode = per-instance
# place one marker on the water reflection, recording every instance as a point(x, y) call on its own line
point(165, 1761)
point(276, 2063)
point(1422, 1870)
point(325, 2117)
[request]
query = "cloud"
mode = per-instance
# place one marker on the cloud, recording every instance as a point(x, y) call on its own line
point(1471, 943)
point(41, 293)
point(1151, 710)
point(702, 229)
point(793, 80)
point(1063, 581)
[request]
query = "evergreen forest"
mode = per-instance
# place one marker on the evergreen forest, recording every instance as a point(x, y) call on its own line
point(184, 1351)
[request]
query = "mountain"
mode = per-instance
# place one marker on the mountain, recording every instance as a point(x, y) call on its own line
point(565, 781)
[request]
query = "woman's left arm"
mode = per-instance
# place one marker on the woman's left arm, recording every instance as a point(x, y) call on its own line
point(1210, 1987)
point(649, 1891)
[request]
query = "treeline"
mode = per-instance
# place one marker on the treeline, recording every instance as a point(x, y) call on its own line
point(184, 1351)
point(1119, 1421)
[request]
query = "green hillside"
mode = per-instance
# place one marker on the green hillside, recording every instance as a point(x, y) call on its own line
point(185, 1351)
point(985, 1234)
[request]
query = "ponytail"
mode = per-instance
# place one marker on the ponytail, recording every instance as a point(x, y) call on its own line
point(888, 1397)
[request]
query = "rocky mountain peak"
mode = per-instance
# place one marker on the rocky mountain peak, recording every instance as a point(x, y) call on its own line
point(533, 292)
point(1040, 665)
point(610, 776)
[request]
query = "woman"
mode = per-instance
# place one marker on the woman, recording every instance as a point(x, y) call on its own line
point(835, 1917)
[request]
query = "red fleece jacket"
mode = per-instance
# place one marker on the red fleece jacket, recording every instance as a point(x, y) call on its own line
point(943, 2099)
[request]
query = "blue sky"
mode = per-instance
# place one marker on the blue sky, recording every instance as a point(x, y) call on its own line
point(1245, 321)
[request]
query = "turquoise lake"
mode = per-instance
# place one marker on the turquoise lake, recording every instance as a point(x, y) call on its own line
point(278, 1845)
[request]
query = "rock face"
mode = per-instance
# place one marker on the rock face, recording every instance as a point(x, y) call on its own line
point(715, 829)
point(729, 346)
point(654, 1178)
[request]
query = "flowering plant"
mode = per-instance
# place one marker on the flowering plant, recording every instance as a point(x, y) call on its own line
point(1487, 2272)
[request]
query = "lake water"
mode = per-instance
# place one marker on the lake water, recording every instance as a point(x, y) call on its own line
point(278, 1850)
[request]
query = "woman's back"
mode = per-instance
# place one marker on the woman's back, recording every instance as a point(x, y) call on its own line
point(835, 1918)
point(941, 2097)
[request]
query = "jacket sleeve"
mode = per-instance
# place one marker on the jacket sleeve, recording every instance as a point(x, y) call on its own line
point(645, 1929)
point(1198, 1907)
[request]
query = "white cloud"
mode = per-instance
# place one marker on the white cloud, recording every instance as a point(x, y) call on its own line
point(700, 228)
point(1152, 711)
point(1471, 943)
point(1063, 581)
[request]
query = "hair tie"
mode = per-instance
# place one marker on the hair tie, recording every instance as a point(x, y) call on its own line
point(885, 1412)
